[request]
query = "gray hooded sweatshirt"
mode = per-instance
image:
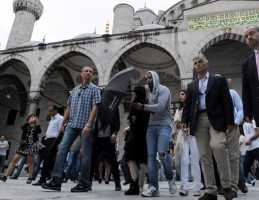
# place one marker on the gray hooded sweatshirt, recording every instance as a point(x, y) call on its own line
point(159, 103)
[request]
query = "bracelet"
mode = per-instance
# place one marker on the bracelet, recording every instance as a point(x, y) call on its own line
point(88, 125)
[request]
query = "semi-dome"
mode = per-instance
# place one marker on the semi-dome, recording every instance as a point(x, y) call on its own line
point(30, 43)
point(150, 27)
point(87, 35)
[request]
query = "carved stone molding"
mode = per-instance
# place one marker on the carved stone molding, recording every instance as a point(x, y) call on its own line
point(36, 8)
point(34, 99)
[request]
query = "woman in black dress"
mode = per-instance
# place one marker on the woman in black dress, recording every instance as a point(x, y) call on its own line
point(135, 144)
point(27, 146)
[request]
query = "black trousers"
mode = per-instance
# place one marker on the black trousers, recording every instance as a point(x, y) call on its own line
point(250, 157)
point(49, 158)
point(104, 144)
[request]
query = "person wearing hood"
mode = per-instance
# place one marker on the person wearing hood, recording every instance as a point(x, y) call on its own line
point(158, 133)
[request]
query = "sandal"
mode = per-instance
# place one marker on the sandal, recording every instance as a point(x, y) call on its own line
point(29, 180)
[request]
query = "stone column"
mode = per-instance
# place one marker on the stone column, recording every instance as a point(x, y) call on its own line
point(34, 100)
point(26, 13)
point(187, 78)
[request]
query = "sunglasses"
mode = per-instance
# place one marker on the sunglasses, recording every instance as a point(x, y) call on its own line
point(199, 61)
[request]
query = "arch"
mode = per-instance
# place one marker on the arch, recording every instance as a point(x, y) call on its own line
point(21, 91)
point(27, 63)
point(213, 38)
point(67, 52)
point(138, 44)
point(65, 75)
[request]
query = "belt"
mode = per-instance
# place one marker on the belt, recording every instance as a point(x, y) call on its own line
point(50, 138)
point(201, 111)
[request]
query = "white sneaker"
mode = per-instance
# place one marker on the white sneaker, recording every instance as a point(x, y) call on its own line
point(150, 192)
point(172, 187)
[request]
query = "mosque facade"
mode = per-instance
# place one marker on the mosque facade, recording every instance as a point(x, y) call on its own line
point(35, 74)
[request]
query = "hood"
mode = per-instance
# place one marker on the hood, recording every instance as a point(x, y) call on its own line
point(156, 82)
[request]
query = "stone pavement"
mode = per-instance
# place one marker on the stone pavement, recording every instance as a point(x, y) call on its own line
point(19, 190)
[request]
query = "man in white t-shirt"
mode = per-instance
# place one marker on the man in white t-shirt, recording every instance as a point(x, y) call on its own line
point(252, 143)
point(4, 145)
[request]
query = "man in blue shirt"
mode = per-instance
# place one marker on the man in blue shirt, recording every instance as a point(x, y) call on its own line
point(80, 117)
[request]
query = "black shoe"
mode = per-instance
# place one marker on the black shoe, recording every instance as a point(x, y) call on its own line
point(117, 186)
point(13, 177)
point(79, 188)
point(208, 196)
point(52, 185)
point(234, 194)
point(65, 180)
point(100, 180)
point(29, 180)
point(134, 189)
point(39, 183)
point(3, 178)
point(228, 193)
point(89, 187)
point(242, 187)
point(221, 191)
point(106, 182)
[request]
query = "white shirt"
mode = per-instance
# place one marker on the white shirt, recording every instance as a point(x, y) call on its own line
point(243, 147)
point(5, 145)
point(249, 131)
point(54, 126)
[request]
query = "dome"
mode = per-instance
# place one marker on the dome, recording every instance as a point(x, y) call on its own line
point(87, 35)
point(150, 27)
point(145, 9)
point(30, 43)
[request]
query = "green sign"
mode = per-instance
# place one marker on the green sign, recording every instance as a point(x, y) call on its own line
point(223, 20)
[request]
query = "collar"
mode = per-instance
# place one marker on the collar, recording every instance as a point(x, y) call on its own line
point(53, 117)
point(83, 87)
point(256, 51)
point(206, 76)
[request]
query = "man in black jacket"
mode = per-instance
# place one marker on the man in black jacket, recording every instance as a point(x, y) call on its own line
point(250, 86)
point(208, 113)
point(105, 140)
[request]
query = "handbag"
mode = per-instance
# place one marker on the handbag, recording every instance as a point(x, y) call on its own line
point(22, 145)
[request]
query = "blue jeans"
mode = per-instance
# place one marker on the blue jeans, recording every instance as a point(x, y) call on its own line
point(73, 168)
point(19, 167)
point(242, 178)
point(37, 164)
point(70, 135)
point(161, 173)
point(158, 138)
